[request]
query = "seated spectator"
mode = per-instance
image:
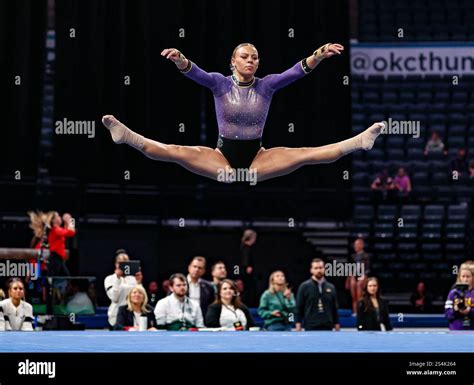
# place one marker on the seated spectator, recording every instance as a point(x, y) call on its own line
point(402, 183)
point(471, 169)
point(15, 313)
point(228, 311)
point(435, 145)
point(383, 185)
point(372, 311)
point(153, 293)
point(356, 284)
point(421, 300)
point(79, 301)
point(177, 311)
point(218, 273)
point(459, 307)
point(459, 163)
point(277, 304)
point(128, 316)
point(118, 285)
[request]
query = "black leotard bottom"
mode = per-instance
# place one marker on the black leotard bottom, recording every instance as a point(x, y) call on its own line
point(239, 153)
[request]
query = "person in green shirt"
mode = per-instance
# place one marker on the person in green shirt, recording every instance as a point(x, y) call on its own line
point(277, 304)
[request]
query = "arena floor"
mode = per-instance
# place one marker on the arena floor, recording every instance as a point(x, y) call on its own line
point(215, 342)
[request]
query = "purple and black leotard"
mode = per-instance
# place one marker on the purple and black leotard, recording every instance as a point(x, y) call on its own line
point(242, 109)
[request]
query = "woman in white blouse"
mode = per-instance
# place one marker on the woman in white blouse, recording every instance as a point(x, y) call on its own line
point(228, 312)
point(15, 313)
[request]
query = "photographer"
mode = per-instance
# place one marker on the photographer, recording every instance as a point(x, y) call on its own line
point(118, 285)
point(459, 307)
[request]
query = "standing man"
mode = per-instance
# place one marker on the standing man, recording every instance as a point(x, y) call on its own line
point(218, 272)
point(316, 302)
point(200, 290)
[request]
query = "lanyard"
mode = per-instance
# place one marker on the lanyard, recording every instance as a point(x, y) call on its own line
point(235, 312)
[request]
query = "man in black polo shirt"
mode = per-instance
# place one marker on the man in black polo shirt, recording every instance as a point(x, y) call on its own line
point(316, 302)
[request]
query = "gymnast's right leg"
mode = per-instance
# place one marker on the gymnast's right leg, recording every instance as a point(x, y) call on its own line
point(200, 160)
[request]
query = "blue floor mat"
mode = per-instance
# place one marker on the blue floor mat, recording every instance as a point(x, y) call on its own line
point(208, 342)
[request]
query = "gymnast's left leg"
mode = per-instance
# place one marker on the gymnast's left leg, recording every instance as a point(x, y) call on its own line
point(280, 161)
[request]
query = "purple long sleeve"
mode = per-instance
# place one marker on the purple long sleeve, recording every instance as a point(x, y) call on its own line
point(276, 81)
point(242, 111)
point(456, 320)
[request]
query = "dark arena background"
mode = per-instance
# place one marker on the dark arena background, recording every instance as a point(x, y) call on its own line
point(402, 211)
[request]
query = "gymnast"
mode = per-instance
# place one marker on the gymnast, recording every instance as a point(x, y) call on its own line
point(242, 102)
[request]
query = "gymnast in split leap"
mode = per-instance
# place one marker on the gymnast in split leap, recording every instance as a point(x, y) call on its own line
point(242, 102)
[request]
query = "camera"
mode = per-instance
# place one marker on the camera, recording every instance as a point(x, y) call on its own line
point(460, 295)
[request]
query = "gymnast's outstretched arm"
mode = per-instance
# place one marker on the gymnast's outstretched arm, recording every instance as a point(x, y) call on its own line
point(191, 70)
point(276, 81)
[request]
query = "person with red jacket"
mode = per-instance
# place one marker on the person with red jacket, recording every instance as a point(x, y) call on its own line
point(57, 230)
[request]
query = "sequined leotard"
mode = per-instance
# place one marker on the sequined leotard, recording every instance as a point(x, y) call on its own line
point(242, 110)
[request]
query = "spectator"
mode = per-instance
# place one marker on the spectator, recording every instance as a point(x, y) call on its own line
point(372, 311)
point(2, 295)
point(47, 229)
point(435, 145)
point(118, 285)
point(240, 287)
point(15, 313)
point(154, 295)
point(129, 315)
point(316, 301)
point(177, 311)
point(200, 290)
point(228, 312)
point(471, 169)
point(165, 289)
point(356, 284)
point(218, 272)
point(421, 300)
point(382, 186)
point(459, 309)
point(79, 302)
point(459, 163)
point(402, 183)
point(249, 276)
point(277, 304)
point(469, 265)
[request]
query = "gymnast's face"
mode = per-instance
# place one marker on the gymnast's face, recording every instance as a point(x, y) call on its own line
point(245, 61)
point(16, 291)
